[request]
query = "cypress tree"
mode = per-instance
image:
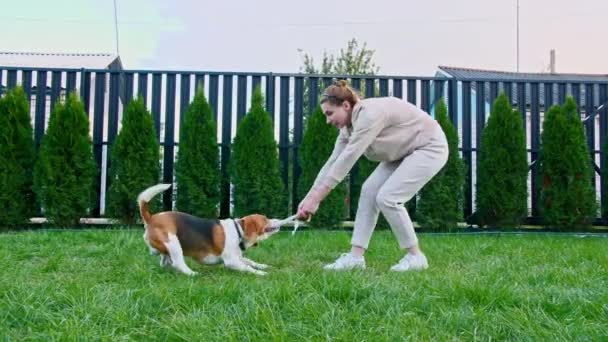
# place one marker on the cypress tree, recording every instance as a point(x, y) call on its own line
point(567, 196)
point(254, 166)
point(65, 170)
point(197, 169)
point(17, 158)
point(134, 162)
point(503, 168)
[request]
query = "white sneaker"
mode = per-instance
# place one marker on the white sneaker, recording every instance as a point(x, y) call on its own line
point(346, 261)
point(411, 262)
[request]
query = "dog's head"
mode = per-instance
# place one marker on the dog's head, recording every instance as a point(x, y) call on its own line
point(256, 228)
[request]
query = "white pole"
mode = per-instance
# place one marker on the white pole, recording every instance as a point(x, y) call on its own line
point(517, 35)
point(116, 28)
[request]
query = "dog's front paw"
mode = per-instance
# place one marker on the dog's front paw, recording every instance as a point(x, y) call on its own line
point(262, 266)
point(192, 273)
point(260, 273)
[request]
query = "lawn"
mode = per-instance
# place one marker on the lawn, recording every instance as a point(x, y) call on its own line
point(103, 284)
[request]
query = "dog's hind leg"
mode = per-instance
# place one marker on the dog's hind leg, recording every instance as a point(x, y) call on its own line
point(177, 256)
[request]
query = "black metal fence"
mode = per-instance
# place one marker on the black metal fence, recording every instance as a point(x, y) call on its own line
point(168, 93)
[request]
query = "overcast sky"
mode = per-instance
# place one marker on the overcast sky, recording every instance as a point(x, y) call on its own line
point(409, 37)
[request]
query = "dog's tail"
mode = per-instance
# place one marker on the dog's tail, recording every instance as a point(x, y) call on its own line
point(146, 196)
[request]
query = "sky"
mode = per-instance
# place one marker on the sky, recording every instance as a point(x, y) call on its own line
point(410, 38)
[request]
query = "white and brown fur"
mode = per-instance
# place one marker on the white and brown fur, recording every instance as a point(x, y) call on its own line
point(174, 234)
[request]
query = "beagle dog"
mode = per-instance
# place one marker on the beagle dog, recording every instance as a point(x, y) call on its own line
point(173, 235)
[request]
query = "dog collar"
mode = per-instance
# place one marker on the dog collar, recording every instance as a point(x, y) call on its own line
point(240, 233)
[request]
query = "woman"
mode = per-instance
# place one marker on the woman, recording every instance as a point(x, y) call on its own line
point(411, 148)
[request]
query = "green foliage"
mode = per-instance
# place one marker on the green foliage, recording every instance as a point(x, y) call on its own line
point(567, 196)
point(134, 162)
point(197, 169)
point(17, 158)
point(258, 187)
point(503, 168)
point(65, 170)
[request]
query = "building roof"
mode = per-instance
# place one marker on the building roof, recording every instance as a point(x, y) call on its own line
point(507, 76)
point(60, 60)
point(494, 75)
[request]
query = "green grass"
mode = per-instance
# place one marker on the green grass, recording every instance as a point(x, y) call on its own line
point(85, 285)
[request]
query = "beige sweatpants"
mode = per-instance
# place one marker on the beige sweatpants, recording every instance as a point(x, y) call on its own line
point(394, 183)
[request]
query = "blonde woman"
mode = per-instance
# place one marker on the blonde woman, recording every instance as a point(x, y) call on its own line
point(411, 148)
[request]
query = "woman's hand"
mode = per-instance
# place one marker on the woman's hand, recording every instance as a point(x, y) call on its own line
point(308, 207)
point(310, 204)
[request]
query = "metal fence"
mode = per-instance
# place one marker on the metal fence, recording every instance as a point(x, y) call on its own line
point(168, 93)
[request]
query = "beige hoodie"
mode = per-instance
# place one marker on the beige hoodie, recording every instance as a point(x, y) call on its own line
point(383, 129)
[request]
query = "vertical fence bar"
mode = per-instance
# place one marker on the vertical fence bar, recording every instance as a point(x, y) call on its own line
point(284, 131)
point(128, 91)
point(226, 143)
point(603, 157)
point(11, 79)
point(142, 87)
point(370, 87)
point(453, 102)
point(27, 85)
point(70, 82)
point(411, 91)
point(297, 139)
point(438, 92)
point(184, 98)
point(112, 121)
point(55, 87)
point(576, 94)
point(426, 96)
point(113, 108)
point(313, 94)
point(256, 81)
point(326, 82)
point(39, 122)
point(1, 72)
point(383, 87)
point(508, 89)
point(535, 137)
point(157, 80)
point(493, 93)
point(561, 93)
point(98, 119)
point(522, 105)
point(548, 100)
point(214, 94)
point(466, 148)
point(480, 123)
point(398, 88)
point(85, 89)
point(241, 98)
point(590, 127)
point(356, 84)
point(270, 79)
point(169, 145)
point(199, 80)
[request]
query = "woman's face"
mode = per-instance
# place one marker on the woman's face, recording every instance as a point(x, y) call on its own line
point(337, 115)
